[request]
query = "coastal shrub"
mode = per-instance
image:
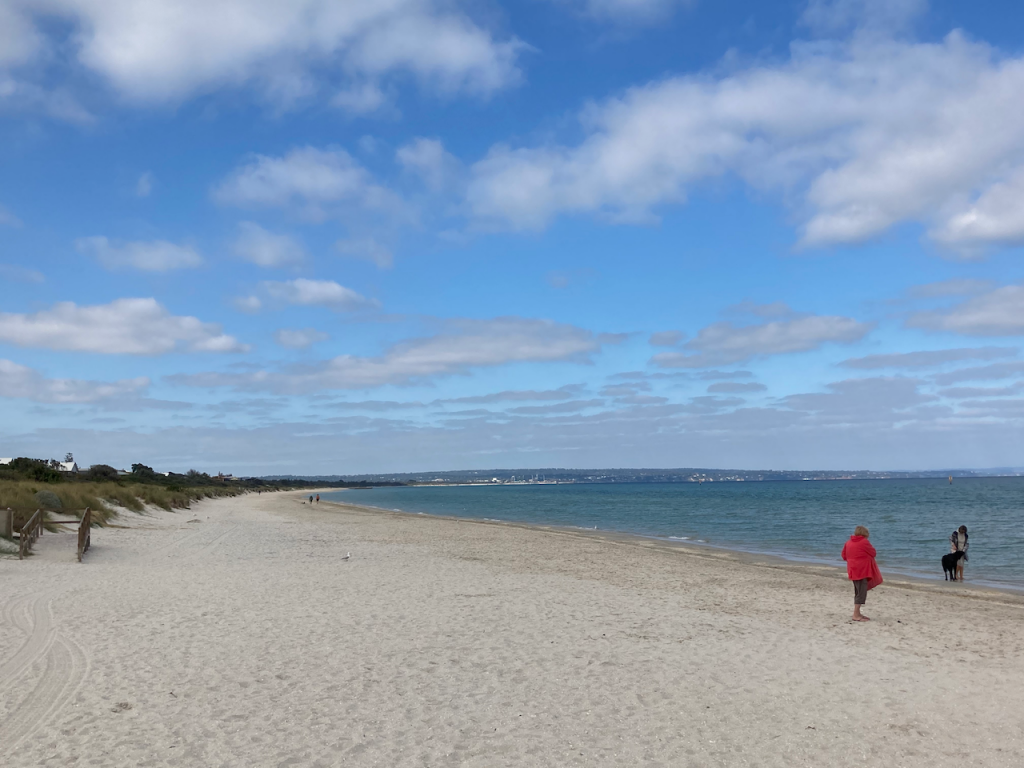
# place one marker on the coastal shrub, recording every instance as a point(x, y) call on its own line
point(40, 470)
point(101, 472)
point(48, 500)
point(105, 499)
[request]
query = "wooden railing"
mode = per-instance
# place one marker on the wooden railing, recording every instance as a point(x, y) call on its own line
point(84, 533)
point(31, 531)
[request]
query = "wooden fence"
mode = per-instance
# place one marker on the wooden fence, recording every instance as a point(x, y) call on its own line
point(31, 531)
point(84, 538)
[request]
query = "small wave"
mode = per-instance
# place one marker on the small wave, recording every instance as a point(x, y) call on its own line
point(679, 538)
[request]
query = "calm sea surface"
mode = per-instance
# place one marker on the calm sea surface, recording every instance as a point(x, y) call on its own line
point(910, 520)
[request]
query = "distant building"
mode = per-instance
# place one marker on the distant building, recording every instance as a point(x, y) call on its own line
point(70, 467)
point(5, 461)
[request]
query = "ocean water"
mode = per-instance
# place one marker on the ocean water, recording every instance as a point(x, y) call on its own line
point(910, 520)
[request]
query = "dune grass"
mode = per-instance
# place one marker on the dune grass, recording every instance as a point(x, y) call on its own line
point(105, 499)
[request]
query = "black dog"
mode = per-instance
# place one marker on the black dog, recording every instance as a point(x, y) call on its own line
point(949, 563)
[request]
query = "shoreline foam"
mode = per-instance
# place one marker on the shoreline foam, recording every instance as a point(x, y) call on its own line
point(894, 576)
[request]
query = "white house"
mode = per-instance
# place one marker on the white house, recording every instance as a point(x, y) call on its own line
point(6, 461)
point(67, 466)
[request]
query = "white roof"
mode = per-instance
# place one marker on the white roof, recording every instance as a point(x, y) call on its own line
point(68, 466)
point(6, 461)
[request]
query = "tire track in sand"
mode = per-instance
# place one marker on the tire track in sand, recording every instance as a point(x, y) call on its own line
point(211, 545)
point(32, 616)
point(66, 668)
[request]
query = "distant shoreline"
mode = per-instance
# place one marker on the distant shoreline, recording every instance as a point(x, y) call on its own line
point(727, 476)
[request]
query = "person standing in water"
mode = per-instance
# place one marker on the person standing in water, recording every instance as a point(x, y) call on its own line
point(958, 543)
point(861, 568)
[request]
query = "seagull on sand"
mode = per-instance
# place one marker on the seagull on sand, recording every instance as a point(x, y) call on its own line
point(347, 556)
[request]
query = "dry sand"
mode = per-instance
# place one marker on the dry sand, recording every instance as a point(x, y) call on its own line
point(244, 640)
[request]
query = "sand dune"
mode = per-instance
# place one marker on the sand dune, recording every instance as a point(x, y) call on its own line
point(243, 640)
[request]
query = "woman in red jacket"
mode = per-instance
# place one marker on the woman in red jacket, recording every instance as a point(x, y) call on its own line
point(861, 568)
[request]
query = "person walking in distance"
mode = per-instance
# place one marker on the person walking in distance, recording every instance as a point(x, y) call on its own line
point(861, 568)
point(318, 498)
point(958, 543)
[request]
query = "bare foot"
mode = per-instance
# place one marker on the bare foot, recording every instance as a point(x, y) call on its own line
point(861, 618)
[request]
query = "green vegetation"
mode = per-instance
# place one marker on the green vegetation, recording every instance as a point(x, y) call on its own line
point(105, 499)
point(30, 484)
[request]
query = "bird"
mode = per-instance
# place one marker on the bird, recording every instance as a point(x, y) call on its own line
point(347, 556)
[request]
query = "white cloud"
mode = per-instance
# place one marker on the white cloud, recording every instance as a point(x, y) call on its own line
point(149, 256)
point(736, 387)
point(18, 94)
point(315, 179)
point(982, 373)
point(22, 382)
point(368, 249)
point(965, 392)
point(144, 186)
point(829, 17)
point(429, 160)
point(326, 293)
point(360, 99)
point(125, 326)
point(625, 12)
point(996, 217)
point(467, 344)
point(573, 406)
point(165, 51)
point(954, 287)
point(998, 313)
point(299, 338)
point(248, 304)
point(666, 338)
point(266, 249)
point(20, 274)
point(20, 41)
point(929, 358)
point(724, 343)
point(6, 217)
point(863, 401)
point(862, 135)
point(566, 392)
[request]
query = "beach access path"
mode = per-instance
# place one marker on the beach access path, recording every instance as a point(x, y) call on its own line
point(235, 635)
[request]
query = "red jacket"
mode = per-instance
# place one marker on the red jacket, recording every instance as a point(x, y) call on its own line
point(860, 561)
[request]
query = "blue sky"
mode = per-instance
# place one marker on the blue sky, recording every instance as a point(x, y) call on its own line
point(391, 236)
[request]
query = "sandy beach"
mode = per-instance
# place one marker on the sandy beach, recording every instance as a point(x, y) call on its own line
point(236, 635)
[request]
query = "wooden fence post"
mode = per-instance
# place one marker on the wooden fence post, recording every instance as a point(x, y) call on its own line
point(29, 533)
point(84, 533)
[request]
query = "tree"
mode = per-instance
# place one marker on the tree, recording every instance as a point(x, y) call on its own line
point(101, 472)
point(68, 458)
point(198, 478)
point(36, 469)
point(142, 472)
